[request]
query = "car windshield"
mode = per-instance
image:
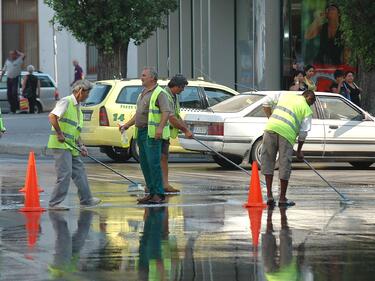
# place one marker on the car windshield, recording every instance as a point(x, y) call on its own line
point(98, 94)
point(236, 103)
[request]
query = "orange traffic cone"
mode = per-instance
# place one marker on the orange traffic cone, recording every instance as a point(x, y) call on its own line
point(31, 165)
point(32, 203)
point(32, 227)
point(255, 217)
point(255, 198)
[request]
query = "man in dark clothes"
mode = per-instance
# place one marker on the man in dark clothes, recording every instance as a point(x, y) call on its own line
point(78, 72)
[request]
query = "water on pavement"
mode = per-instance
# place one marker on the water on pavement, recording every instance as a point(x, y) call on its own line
point(202, 234)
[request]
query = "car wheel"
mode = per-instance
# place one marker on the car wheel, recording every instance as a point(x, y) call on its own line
point(134, 150)
point(361, 165)
point(256, 153)
point(224, 163)
point(38, 107)
point(117, 154)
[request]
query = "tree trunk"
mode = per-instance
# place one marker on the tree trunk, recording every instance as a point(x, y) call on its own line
point(113, 66)
point(367, 83)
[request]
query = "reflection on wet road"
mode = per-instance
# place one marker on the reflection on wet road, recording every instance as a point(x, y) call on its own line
point(202, 234)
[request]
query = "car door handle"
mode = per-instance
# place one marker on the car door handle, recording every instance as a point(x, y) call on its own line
point(333, 126)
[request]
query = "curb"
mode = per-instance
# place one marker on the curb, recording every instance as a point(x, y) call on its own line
point(22, 149)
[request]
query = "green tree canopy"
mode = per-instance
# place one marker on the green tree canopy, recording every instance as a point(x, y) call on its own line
point(110, 24)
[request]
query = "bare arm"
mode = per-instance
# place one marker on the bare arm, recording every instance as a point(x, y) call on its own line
point(179, 124)
point(315, 27)
point(53, 119)
point(267, 111)
point(128, 124)
point(20, 54)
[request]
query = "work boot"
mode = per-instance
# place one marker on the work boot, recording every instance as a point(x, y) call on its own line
point(171, 189)
point(93, 202)
point(144, 200)
point(157, 199)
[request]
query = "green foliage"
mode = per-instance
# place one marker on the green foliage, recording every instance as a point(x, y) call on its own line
point(357, 19)
point(110, 23)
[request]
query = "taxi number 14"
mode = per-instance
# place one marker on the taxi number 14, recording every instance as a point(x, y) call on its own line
point(118, 117)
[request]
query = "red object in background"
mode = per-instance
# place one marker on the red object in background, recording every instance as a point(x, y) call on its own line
point(324, 75)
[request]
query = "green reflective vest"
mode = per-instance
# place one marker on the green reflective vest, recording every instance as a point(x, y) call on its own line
point(154, 116)
point(71, 125)
point(176, 107)
point(2, 128)
point(288, 115)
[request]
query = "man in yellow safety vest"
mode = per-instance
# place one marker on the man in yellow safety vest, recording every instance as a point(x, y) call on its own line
point(151, 127)
point(290, 118)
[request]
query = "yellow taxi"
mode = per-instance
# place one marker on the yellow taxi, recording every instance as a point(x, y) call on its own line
point(112, 102)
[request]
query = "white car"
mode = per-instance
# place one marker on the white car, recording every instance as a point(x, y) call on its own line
point(341, 131)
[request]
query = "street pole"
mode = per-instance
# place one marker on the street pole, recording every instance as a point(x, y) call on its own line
point(55, 53)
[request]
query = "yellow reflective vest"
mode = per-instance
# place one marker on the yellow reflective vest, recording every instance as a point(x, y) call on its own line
point(154, 116)
point(176, 107)
point(71, 125)
point(288, 115)
point(2, 128)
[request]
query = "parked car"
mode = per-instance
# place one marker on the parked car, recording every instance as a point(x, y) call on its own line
point(341, 131)
point(114, 101)
point(46, 96)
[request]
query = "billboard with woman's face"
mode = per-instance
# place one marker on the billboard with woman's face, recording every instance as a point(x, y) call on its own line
point(318, 40)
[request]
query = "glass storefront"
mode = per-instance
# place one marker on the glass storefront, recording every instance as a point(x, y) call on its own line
point(312, 36)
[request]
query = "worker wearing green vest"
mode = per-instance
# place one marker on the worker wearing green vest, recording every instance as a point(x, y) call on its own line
point(2, 128)
point(175, 86)
point(151, 127)
point(67, 120)
point(291, 117)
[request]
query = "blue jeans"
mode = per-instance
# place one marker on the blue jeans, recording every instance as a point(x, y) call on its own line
point(149, 158)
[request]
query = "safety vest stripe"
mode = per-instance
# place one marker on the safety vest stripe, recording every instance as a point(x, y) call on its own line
point(70, 122)
point(278, 117)
point(68, 136)
point(282, 108)
point(79, 129)
point(155, 111)
point(152, 123)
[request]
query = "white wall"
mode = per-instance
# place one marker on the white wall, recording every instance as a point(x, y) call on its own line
point(132, 60)
point(67, 49)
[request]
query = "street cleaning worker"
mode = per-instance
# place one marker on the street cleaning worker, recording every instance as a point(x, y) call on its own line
point(291, 117)
point(151, 127)
point(67, 120)
point(175, 86)
point(2, 128)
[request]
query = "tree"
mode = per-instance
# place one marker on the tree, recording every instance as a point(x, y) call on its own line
point(357, 18)
point(109, 25)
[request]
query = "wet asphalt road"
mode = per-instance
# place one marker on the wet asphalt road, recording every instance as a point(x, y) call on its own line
point(202, 234)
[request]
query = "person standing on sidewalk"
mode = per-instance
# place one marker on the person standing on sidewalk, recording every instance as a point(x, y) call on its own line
point(2, 127)
point(175, 86)
point(67, 120)
point(290, 118)
point(78, 72)
point(13, 68)
point(30, 85)
point(151, 127)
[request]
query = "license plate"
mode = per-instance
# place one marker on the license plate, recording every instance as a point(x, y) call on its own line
point(200, 130)
point(87, 116)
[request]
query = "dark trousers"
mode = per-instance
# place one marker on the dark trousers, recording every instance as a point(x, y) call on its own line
point(32, 103)
point(12, 93)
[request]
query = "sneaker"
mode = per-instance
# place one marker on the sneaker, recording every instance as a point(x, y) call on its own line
point(58, 208)
point(135, 187)
point(94, 201)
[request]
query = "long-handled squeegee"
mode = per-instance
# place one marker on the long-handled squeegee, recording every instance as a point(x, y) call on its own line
point(135, 186)
point(343, 198)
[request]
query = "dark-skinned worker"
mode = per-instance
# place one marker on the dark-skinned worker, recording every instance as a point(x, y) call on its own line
point(67, 120)
point(175, 86)
point(290, 117)
point(151, 127)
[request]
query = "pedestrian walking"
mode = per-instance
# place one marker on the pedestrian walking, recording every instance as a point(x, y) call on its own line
point(175, 86)
point(290, 118)
point(30, 85)
point(12, 67)
point(151, 126)
point(2, 127)
point(67, 120)
point(78, 72)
